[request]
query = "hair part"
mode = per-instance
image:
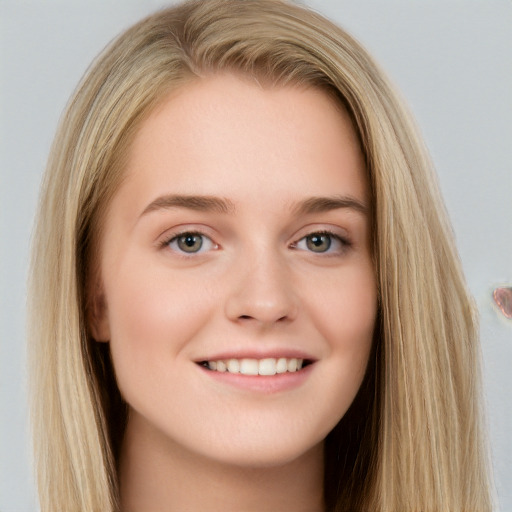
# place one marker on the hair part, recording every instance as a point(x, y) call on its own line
point(413, 439)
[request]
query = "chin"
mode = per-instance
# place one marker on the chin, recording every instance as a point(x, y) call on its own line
point(259, 451)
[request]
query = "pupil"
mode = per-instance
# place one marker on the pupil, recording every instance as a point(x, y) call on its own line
point(319, 243)
point(190, 243)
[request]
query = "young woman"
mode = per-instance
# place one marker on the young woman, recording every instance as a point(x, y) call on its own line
point(245, 292)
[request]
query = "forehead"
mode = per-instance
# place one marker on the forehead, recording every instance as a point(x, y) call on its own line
point(225, 133)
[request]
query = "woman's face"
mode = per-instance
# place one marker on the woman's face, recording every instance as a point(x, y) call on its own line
point(239, 241)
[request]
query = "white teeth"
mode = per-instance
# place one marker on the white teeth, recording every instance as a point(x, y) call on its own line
point(268, 366)
point(292, 365)
point(233, 366)
point(249, 367)
point(282, 365)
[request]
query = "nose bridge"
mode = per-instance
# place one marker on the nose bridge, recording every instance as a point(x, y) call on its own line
point(261, 287)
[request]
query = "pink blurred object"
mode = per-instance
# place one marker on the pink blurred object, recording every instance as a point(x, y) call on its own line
point(503, 298)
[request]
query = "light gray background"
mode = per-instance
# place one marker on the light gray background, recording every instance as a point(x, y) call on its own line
point(451, 60)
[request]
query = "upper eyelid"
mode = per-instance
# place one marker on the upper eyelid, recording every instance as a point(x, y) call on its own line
point(165, 243)
point(177, 234)
point(168, 235)
point(344, 242)
point(177, 231)
point(341, 238)
point(334, 231)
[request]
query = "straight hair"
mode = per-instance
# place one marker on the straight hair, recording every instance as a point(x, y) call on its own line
point(413, 439)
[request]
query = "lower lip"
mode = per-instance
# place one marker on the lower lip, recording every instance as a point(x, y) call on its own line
point(268, 384)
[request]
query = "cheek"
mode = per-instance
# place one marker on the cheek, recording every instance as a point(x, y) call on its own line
point(347, 309)
point(152, 317)
point(345, 313)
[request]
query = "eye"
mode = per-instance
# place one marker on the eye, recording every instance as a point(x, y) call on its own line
point(190, 243)
point(318, 242)
point(321, 242)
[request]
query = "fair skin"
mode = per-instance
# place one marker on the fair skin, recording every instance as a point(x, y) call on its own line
point(241, 232)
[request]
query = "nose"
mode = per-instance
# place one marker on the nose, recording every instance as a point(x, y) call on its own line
point(262, 291)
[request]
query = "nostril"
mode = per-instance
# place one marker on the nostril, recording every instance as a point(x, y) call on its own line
point(249, 317)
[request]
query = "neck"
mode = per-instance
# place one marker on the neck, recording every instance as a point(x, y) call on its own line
point(162, 476)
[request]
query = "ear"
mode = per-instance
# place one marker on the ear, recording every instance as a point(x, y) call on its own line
point(97, 314)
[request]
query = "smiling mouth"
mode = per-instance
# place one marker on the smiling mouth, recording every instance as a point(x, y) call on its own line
point(264, 367)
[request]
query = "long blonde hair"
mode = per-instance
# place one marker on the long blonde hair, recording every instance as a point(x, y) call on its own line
point(413, 439)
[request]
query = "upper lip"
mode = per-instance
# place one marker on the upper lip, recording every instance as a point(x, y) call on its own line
point(276, 353)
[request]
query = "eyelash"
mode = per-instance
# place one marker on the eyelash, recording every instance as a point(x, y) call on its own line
point(176, 236)
point(342, 241)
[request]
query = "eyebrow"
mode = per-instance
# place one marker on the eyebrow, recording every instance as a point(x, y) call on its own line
point(215, 204)
point(325, 204)
point(197, 203)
